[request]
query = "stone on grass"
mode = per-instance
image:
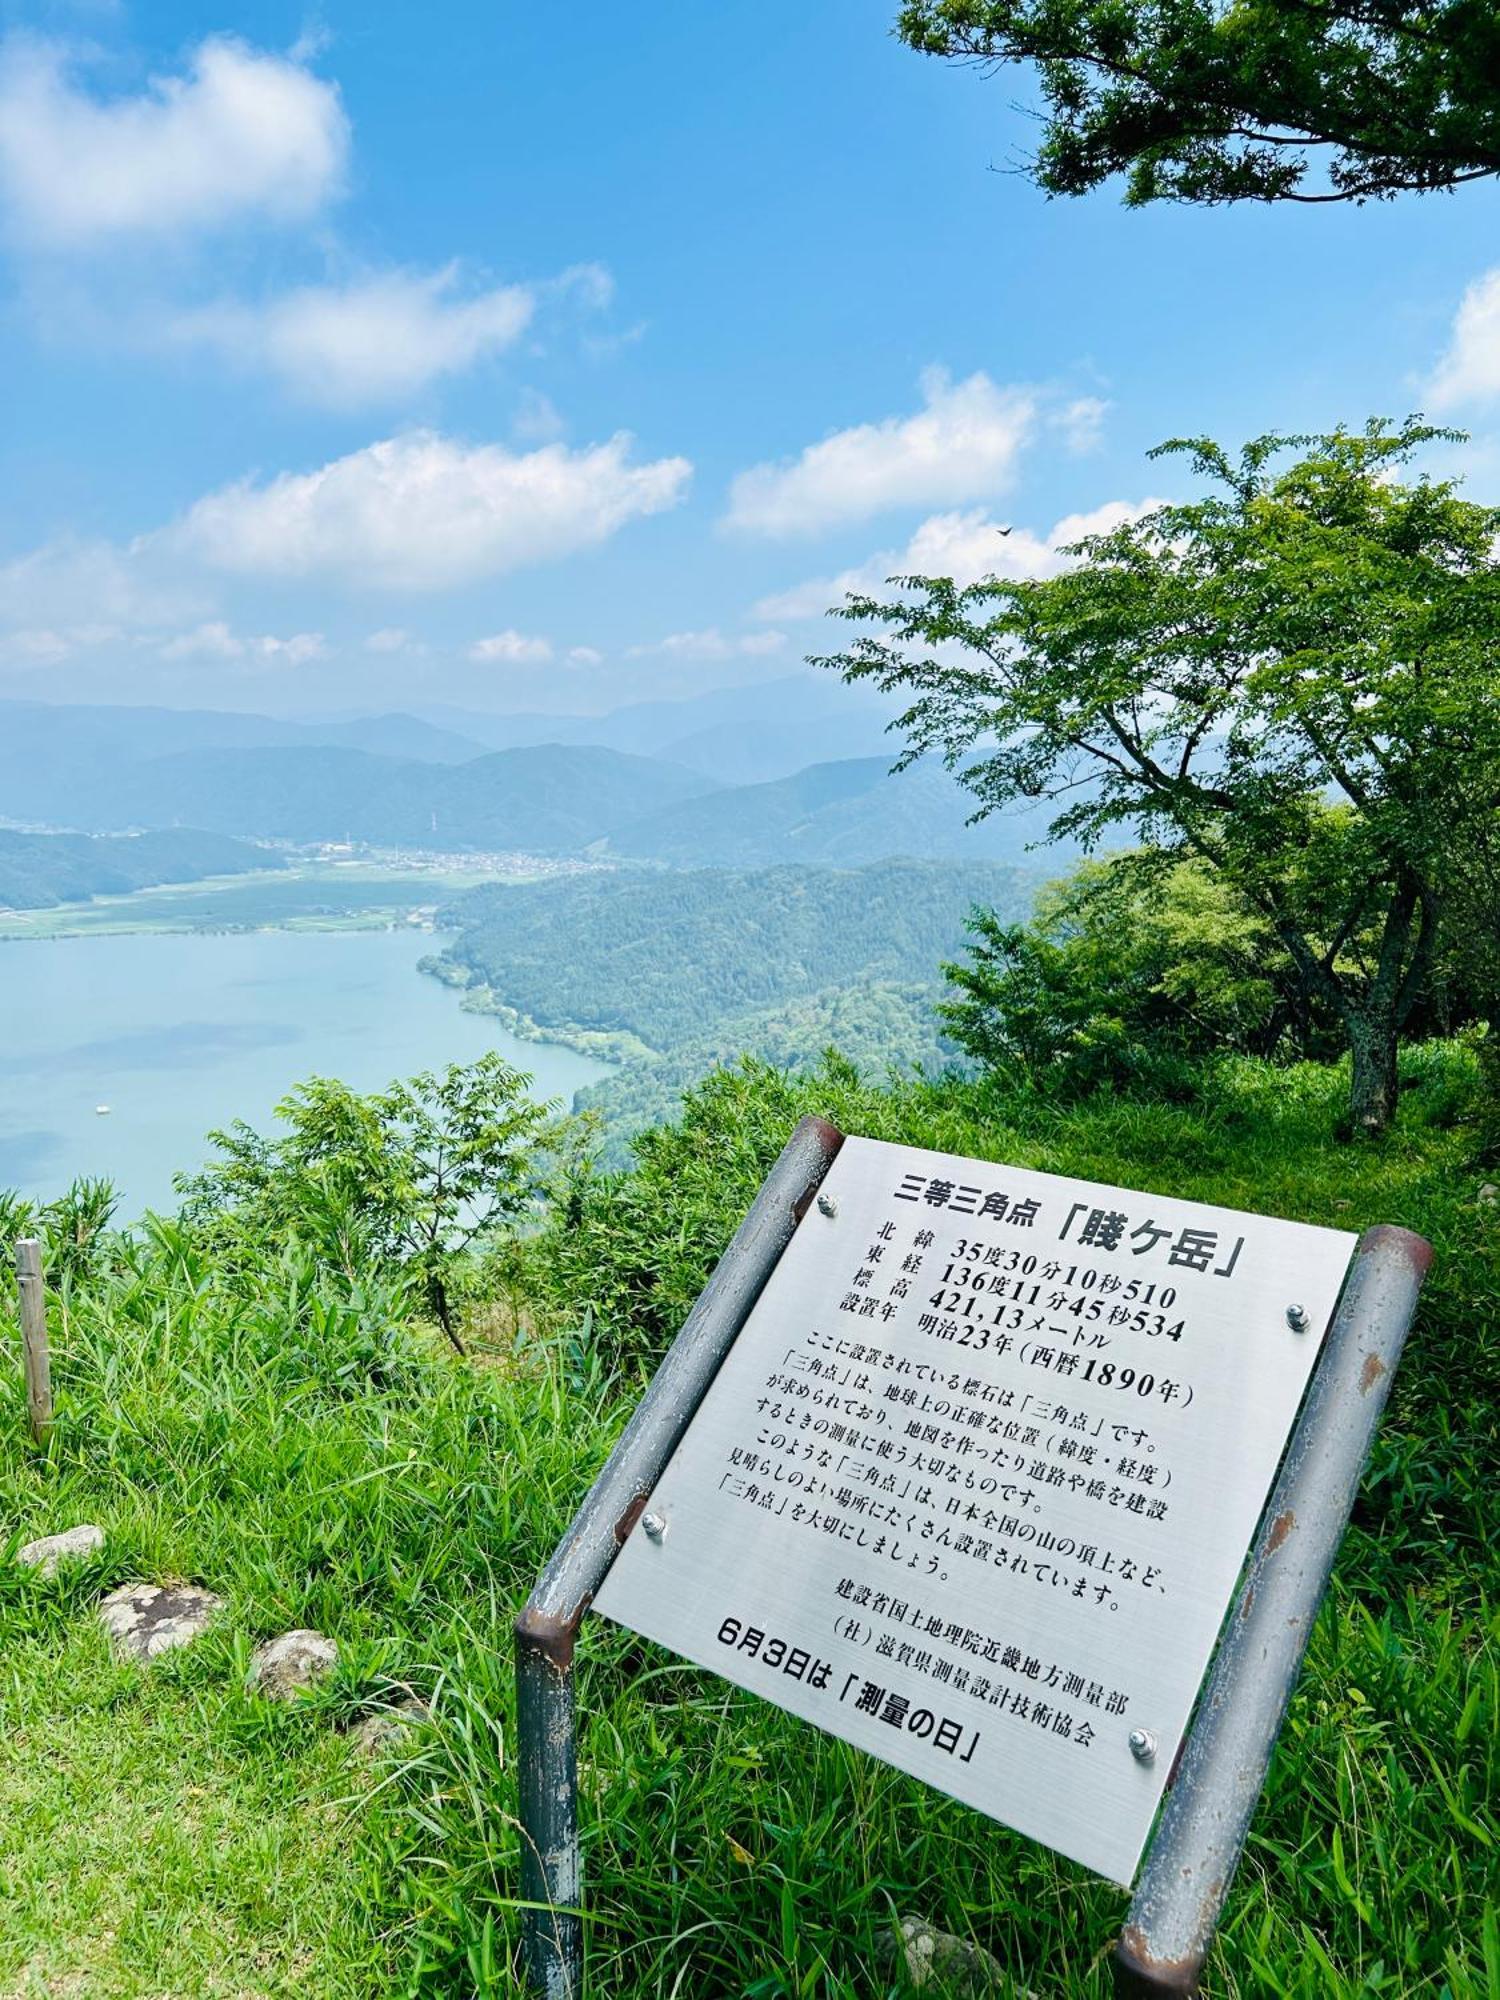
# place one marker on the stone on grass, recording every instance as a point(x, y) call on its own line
point(936, 1962)
point(379, 1734)
point(46, 1554)
point(147, 1619)
point(281, 1668)
point(1488, 1193)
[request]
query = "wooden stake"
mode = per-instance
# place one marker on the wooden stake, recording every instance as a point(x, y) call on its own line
point(34, 1336)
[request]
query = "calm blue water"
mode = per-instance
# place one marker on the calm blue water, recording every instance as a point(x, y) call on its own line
point(180, 1034)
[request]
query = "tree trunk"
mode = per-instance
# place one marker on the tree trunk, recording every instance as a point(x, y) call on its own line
point(437, 1293)
point(1372, 1096)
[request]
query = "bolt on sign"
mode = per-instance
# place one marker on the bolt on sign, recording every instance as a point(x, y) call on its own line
point(974, 1485)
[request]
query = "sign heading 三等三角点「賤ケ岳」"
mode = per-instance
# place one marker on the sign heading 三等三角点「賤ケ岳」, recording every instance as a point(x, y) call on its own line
point(973, 1486)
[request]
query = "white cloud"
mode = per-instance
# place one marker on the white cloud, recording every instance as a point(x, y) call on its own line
point(76, 586)
point(1081, 423)
point(964, 546)
point(585, 656)
point(37, 647)
point(1470, 370)
point(214, 640)
point(241, 133)
point(301, 646)
point(514, 648)
point(537, 418)
point(593, 285)
point(389, 639)
point(421, 511)
point(378, 337)
point(962, 444)
point(710, 644)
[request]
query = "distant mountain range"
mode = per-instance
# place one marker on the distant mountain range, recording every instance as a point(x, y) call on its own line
point(739, 735)
point(47, 746)
point(554, 799)
point(838, 815)
point(405, 781)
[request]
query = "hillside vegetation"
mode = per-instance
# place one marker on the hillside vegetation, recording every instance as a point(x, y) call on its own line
point(660, 957)
point(38, 870)
point(252, 1408)
point(675, 974)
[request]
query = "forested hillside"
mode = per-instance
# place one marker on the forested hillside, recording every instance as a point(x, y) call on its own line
point(38, 870)
point(882, 1026)
point(663, 957)
point(675, 973)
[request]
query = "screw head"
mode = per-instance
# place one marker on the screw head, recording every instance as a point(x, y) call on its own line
point(1143, 1746)
point(655, 1525)
point(1297, 1319)
point(828, 1204)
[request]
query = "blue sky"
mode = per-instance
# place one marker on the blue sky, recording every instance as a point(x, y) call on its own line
point(514, 358)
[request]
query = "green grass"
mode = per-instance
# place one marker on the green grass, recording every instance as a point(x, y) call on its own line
point(292, 1442)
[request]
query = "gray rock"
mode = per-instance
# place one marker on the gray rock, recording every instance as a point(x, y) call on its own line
point(380, 1733)
point(282, 1667)
point(935, 1961)
point(148, 1619)
point(46, 1554)
point(1488, 1193)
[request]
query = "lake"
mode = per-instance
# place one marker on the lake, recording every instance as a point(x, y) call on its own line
point(178, 1034)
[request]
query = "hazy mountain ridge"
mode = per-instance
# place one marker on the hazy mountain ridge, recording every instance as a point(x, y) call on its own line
point(741, 735)
point(552, 799)
point(53, 753)
point(844, 814)
point(118, 770)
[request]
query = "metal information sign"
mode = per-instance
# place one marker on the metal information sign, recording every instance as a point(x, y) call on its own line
point(974, 1484)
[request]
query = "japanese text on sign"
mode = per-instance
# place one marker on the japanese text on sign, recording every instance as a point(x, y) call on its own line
point(973, 1487)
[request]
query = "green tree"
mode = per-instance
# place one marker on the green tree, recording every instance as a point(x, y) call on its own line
point(73, 1227)
point(1293, 680)
point(416, 1175)
point(1193, 100)
point(1129, 975)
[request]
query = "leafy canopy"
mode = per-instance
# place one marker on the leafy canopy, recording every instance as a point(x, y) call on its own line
point(412, 1177)
point(1198, 100)
point(1292, 679)
point(1128, 977)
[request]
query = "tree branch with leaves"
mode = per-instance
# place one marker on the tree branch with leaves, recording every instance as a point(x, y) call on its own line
point(1267, 100)
point(1292, 680)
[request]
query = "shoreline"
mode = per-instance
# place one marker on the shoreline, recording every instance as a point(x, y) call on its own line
point(606, 1045)
point(331, 897)
point(188, 910)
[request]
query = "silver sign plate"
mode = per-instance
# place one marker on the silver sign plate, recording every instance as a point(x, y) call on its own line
point(974, 1485)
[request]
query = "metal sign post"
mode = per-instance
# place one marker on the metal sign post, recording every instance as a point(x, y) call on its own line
point(1196, 1849)
point(546, 1726)
point(1190, 1863)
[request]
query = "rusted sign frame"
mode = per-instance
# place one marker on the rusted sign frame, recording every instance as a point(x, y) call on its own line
point(1196, 1844)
